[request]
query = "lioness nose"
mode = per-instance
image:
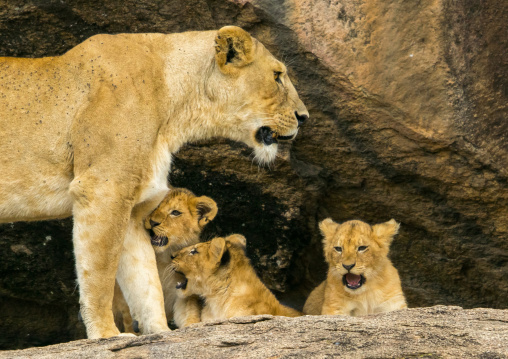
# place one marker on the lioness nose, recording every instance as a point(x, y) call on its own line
point(154, 224)
point(348, 266)
point(301, 118)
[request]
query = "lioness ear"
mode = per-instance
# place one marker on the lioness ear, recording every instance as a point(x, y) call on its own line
point(217, 248)
point(328, 227)
point(386, 231)
point(238, 240)
point(206, 209)
point(233, 49)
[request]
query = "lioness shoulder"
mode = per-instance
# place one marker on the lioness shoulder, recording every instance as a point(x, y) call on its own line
point(361, 279)
point(220, 272)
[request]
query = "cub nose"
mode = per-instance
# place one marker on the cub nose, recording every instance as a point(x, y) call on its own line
point(153, 223)
point(301, 118)
point(348, 266)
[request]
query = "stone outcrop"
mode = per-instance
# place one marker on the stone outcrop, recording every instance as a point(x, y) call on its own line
point(408, 105)
point(437, 332)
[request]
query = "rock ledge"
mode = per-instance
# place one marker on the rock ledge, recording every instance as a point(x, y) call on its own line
point(433, 332)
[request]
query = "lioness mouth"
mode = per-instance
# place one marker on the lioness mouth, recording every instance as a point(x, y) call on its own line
point(353, 281)
point(158, 241)
point(267, 136)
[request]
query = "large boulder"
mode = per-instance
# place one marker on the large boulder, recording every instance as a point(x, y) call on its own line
point(408, 105)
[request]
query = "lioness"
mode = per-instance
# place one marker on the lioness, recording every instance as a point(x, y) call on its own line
point(361, 279)
point(219, 272)
point(176, 223)
point(90, 134)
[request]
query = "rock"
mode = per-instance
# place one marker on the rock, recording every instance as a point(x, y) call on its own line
point(408, 121)
point(436, 332)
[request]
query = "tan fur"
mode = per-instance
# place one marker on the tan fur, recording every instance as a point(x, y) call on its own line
point(381, 291)
point(179, 219)
point(90, 134)
point(220, 273)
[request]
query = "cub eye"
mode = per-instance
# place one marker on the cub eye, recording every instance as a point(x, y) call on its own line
point(338, 249)
point(276, 76)
point(175, 213)
point(193, 251)
point(362, 248)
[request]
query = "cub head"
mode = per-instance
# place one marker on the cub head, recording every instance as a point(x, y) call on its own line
point(356, 251)
point(179, 219)
point(263, 106)
point(198, 266)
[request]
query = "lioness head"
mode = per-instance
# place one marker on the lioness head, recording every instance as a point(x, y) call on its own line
point(179, 219)
point(265, 107)
point(355, 250)
point(199, 264)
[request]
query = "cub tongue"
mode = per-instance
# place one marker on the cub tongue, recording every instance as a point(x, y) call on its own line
point(353, 279)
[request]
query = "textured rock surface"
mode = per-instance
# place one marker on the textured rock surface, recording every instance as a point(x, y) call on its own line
point(437, 332)
point(408, 121)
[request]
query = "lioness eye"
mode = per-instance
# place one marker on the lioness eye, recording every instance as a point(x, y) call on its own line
point(276, 76)
point(175, 213)
point(193, 251)
point(362, 248)
point(338, 249)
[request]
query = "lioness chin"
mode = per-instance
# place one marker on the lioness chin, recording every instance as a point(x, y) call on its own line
point(90, 134)
point(219, 272)
point(361, 279)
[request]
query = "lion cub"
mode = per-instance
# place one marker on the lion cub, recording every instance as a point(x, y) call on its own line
point(176, 223)
point(220, 273)
point(361, 279)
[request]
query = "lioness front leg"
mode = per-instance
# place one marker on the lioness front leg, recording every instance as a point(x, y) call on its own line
point(187, 311)
point(139, 279)
point(97, 247)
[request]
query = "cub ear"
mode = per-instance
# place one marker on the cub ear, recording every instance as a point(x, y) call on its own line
point(217, 248)
point(237, 240)
point(328, 227)
point(233, 49)
point(206, 209)
point(386, 231)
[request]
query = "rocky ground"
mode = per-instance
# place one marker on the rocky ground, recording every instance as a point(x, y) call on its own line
point(408, 108)
point(436, 332)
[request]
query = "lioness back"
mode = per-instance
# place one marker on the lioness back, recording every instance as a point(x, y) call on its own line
point(361, 279)
point(220, 272)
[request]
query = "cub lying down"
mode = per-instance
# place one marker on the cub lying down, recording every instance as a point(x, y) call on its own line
point(220, 273)
point(361, 279)
point(176, 223)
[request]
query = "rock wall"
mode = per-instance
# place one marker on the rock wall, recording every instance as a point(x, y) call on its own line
point(408, 104)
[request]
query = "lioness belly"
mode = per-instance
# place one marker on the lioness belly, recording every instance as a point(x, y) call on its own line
point(34, 198)
point(35, 150)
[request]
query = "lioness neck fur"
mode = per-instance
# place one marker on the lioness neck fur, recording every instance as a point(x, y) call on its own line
point(220, 273)
point(361, 279)
point(90, 134)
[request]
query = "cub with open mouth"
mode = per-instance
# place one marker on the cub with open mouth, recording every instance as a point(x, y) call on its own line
point(220, 273)
point(361, 279)
point(176, 223)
